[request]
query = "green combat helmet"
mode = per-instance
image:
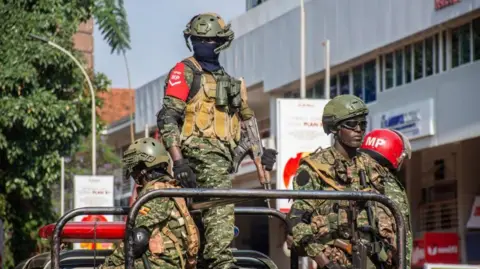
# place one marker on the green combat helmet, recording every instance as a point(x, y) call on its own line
point(143, 155)
point(342, 107)
point(209, 25)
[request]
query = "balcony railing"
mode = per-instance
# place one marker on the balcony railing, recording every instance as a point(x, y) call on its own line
point(442, 215)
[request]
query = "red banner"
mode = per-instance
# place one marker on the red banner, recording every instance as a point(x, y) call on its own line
point(439, 4)
point(436, 248)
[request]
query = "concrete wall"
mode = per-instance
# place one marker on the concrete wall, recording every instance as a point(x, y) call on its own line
point(267, 44)
point(456, 98)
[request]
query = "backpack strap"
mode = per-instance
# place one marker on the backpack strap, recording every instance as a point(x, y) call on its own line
point(197, 76)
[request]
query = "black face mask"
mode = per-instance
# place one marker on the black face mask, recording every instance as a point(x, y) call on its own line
point(206, 56)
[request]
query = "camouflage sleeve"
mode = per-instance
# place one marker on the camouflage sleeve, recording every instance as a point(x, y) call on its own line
point(155, 212)
point(307, 227)
point(170, 117)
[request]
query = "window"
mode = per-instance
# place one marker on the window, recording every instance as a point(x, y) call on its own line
point(388, 70)
point(476, 39)
point(309, 93)
point(318, 91)
point(461, 45)
point(370, 77)
point(358, 81)
point(436, 51)
point(444, 51)
point(333, 87)
point(398, 67)
point(418, 60)
point(408, 64)
point(344, 83)
point(429, 56)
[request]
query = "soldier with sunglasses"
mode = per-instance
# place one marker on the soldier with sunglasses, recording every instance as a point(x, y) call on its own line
point(320, 228)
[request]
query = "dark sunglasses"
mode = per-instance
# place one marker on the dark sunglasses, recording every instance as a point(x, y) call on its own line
point(352, 124)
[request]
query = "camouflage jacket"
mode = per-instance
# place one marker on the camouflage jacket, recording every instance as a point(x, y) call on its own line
point(154, 215)
point(394, 190)
point(314, 233)
point(178, 83)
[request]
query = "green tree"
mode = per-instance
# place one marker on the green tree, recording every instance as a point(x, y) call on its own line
point(45, 107)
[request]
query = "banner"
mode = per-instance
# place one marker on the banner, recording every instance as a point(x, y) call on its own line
point(93, 191)
point(299, 133)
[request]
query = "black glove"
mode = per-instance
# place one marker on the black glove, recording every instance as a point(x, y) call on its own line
point(184, 174)
point(269, 157)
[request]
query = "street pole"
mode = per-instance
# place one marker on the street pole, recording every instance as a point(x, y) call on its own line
point(132, 134)
point(303, 91)
point(146, 130)
point(92, 92)
point(326, 44)
point(62, 187)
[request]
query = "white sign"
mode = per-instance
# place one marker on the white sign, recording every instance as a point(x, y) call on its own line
point(474, 220)
point(299, 133)
point(93, 191)
point(414, 120)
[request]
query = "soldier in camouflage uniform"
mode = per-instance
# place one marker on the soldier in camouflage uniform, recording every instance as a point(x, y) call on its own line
point(200, 124)
point(173, 239)
point(388, 149)
point(319, 229)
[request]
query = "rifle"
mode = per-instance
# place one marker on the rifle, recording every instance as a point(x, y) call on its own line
point(357, 249)
point(371, 221)
point(251, 144)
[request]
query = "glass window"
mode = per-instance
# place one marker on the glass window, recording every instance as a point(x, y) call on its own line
point(318, 90)
point(455, 45)
point(436, 53)
point(296, 94)
point(465, 44)
point(388, 70)
point(288, 95)
point(476, 39)
point(429, 56)
point(398, 67)
point(344, 83)
point(309, 93)
point(370, 74)
point(333, 86)
point(418, 60)
point(408, 64)
point(358, 81)
point(444, 51)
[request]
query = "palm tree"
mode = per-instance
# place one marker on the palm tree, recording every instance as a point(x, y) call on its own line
point(111, 18)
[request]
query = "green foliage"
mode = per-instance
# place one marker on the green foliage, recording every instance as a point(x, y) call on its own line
point(45, 109)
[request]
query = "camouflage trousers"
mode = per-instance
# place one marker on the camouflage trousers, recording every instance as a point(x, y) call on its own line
point(168, 260)
point(217, 223)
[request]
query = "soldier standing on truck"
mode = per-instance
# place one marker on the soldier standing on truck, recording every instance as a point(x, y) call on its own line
point(200, 124)
point(169, 232)
point(322, 229)
point(389, 149)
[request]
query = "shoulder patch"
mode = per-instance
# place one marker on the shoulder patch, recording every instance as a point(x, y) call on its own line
point(177, 85)
point(144, 210)
point(302, 178)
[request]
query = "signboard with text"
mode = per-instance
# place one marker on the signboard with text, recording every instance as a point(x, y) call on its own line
point(415, 120)
point(93, 191)
point(436, 247)
point(299, 133)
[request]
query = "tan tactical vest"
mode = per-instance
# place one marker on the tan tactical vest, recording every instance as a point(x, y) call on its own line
point(173, 232)
point(204, 119)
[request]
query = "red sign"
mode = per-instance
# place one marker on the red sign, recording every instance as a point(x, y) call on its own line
point(436, 248)
point(439, 4)
point(441, 248)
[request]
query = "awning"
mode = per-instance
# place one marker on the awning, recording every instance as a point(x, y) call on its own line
point(474, 220)
point(436, 248)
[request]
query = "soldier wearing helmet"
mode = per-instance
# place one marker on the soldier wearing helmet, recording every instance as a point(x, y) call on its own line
point(200, 124)
point(168, 235)
point(316, 226)
point(388, 150)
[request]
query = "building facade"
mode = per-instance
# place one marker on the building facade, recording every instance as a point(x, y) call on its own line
point(415, 63)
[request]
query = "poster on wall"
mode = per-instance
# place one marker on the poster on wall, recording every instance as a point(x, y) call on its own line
point(299, 133)
point(414, 120)
point(93, 191)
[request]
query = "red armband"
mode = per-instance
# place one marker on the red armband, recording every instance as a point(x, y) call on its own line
point(177, 85)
